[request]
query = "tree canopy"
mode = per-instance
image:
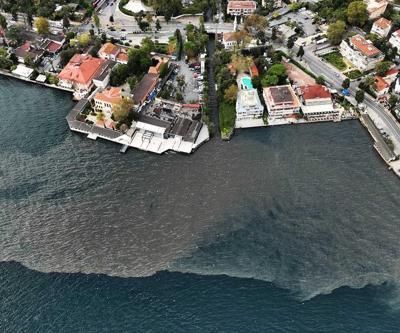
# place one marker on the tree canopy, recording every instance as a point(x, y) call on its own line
point(42, 25)
point(335, 32)
point(357, 13)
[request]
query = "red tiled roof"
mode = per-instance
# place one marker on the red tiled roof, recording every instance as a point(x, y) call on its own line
point(364, 46)
point(381, 84)
point(237, 4)
point(392, 71)
point(53, 46)
point(110, 95)
point(228, 37)
point(315, 91)
point(383, 23)
point(81, 68)
point(109, 48)
point(254, 70)
point(122, 56)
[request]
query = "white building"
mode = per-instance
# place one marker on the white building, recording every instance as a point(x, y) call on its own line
point(248, 105)
point(113, 52)
point(229, 40)
point(361, 52)
point(241, 7)
point(395, 40)
point(106, 99)
point(281, 102)
point(381, 27)
point(317, 103)
point(376, 8)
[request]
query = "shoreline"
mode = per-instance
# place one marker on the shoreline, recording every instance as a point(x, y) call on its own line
point(93, 132)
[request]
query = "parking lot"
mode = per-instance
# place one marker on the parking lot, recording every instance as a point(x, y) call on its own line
point(193, 85)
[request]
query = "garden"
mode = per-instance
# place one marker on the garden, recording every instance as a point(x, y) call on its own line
point(335, 59)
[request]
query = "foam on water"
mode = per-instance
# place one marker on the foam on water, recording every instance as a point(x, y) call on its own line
point(310, 208)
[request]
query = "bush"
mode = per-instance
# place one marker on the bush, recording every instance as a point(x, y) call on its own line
point(227, 115)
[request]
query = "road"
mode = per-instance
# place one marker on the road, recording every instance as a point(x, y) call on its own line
point(334, 78)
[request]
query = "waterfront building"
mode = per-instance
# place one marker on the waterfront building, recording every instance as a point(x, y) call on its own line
point(281, 102)
point(361, 52)
point(145, 87)
point(241, 7)
point(113, 52)
point(248, 105)
point(23, 71)
point(395, 40)
point(376, 8)
point(317, 103)
point(106, 99)
point(80, 72)
point(27, 50)
point(381, 27)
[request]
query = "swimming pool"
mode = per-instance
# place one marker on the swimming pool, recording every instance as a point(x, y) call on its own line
point(246, 83)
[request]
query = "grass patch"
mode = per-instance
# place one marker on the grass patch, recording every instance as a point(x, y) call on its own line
point(335, 59)
point(227, 114)
point(354, 74)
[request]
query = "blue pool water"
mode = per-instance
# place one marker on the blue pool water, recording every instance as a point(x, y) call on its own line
point(246, 83)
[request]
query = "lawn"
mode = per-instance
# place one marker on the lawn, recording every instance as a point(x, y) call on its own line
point(335, 59)
point(227, 114)
point(354, 74)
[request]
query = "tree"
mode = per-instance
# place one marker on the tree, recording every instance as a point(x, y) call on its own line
point(66, 55)
point(242, 38)
point(230, 94)
point(320, 80)
point(66, 23)
point(300, 53)
point(143, 25)
point(239, 62)
point(132, 81)
point(84, 39)
point(118, 75)
point(357, 13)
point(28, 60)
point(111, 19)
point(158, 25)
point(3, 22)
point(269, 80)
point(190, 49)
point(335, 32)
point(256, 25)
point(149, 18)
point(346, 83)
point(290, 43)
point(122, 109)
point(96, 21)
point(42, 25)
point(163, 70)
point(360, 96)
point(278, 70)
point(14, 34)
point(369, 83)
point(382, 67)
point(393, 99)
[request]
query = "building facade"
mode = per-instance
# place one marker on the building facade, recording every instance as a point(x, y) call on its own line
point(241, 7)
point(248, 105)
point(317, 103)
point(395, 40)
point(281, 102)
point(381, 27)
point(361, 52)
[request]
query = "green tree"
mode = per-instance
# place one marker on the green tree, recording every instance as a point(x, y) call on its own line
point(300, 53)
point(143, 25)
point(118, 75)
point(66, 23)
point(360, 96)
point(190, 49)
point(132, 81)
point(346, 83)
point(13, 33)
point(269, 80)
point(357, 13)
point(320, 80)
point(42, 25)
point(278, 70)
point(158, 25)
point(230, 94)
point(96, 21)
point(335, 32)
point(382, 67)
point(84, 39)
point(3, 22)
point(290, 43)
point(393, 99)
